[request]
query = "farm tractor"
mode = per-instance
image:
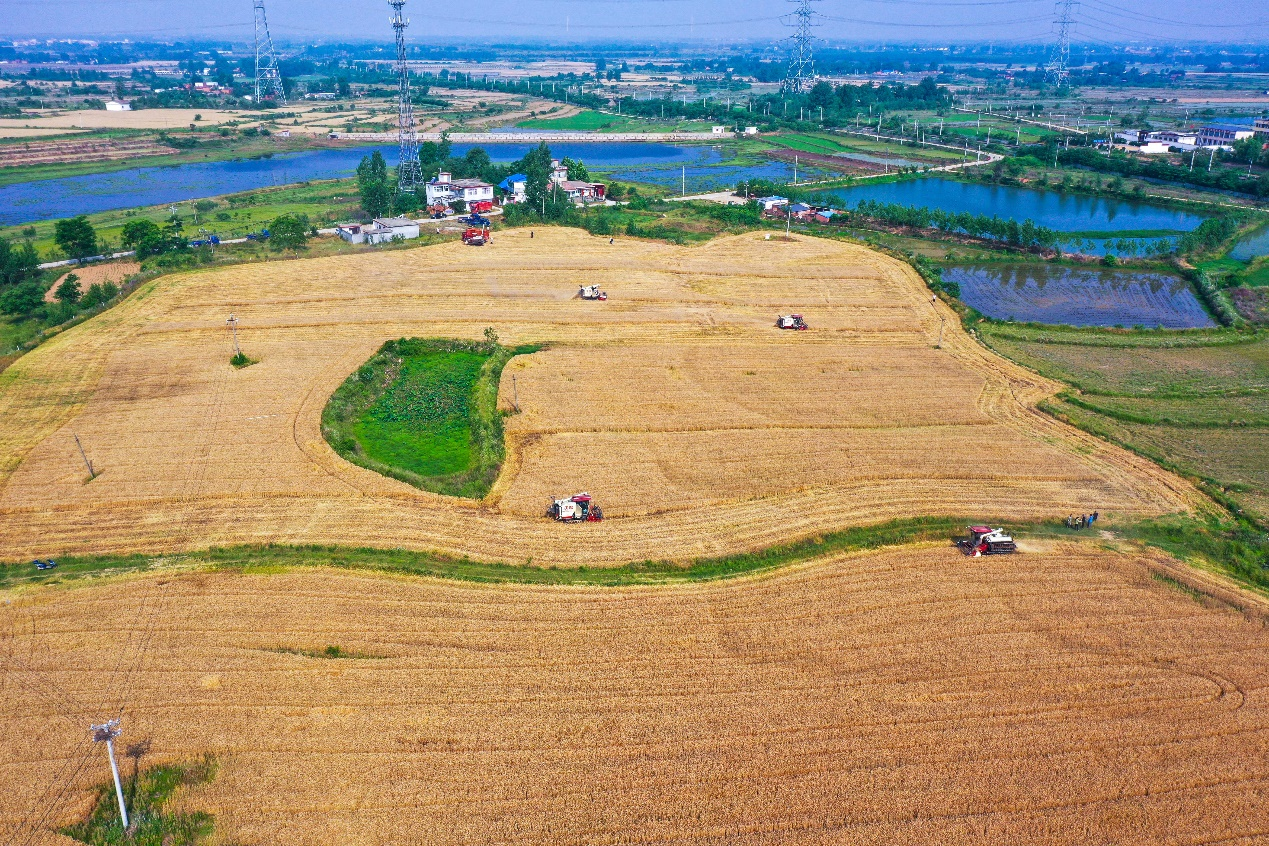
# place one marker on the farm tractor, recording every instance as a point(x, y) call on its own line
point(984, 540)
point(591, 292)
point(791, 321)
point(475, 237)
point(575, 509)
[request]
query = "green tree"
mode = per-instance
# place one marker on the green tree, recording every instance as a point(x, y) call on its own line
point(576, 170)
point(289, 231)
point(372, 185)
point(821, 94)
point(144, 236)
point(536, 167)
point(76, 237)
point(99, 293)
point(69, 291)
point(18, 264)
point(22, 299)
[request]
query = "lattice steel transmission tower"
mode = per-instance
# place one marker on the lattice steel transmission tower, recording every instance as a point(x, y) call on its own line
point(268, 79)
point(409, 172)
point(1058, 72)
point(801, 73)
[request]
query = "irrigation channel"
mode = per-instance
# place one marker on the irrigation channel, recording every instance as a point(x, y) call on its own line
point(1042, 293)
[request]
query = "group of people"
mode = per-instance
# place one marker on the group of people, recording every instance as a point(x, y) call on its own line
point(1084, 521)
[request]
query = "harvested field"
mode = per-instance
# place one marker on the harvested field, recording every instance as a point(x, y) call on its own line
point(96, 274)
point(909, 696)
point(87, 150)
point(676, 397)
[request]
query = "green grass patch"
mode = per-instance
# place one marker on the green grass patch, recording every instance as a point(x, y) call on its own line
point(272, 558)
point(147, 794)
point(240, 360)
point(331, 652)
point(425, 411)
point(1238, 550)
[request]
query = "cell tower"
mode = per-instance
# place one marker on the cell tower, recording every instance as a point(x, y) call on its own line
point(801, 73)
point(1058, 70)
point(268, 80)
point(409, 172)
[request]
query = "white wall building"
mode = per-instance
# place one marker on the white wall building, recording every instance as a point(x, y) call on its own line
point(381, 230)
point(1223, 135)
point(118, 106)
point(444, 189)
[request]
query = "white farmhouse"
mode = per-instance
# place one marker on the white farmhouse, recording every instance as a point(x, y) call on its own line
point(444, 189)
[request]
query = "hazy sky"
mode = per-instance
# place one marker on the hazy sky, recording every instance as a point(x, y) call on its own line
point(1100, 21)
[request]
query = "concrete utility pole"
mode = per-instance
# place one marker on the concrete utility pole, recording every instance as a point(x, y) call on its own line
point(232, 323)
point(92, 474)
point(106, 733)
point(683, 188)
point(515, 393)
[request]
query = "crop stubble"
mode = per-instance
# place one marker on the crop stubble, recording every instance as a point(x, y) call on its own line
point(905, 696)
point(676, 396)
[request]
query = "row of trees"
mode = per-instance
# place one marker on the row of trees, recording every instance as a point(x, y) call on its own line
point(1026, 235)
point(1224, 179)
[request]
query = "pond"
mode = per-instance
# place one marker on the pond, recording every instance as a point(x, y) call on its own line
point(1053, 209)
point(58, 198)
point(1253, 246)
point(1077, 296)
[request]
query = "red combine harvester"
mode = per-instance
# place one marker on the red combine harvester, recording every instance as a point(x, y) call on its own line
point(791, 321)
point(477, 237)
point(984, 540)
point(575, 509)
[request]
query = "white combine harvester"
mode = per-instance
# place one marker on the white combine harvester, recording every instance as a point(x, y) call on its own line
point(575, 509)
point(791, 321)
point(591, 292)
point(984, 540)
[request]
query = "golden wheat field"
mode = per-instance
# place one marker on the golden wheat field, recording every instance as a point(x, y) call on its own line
point(909, 696)
point(700, 427)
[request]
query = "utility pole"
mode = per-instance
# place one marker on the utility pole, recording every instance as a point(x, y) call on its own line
point(106, 733)
point(92, 474)
point(268, 79)
point(683, 186)
point(232, 323)
point(515, 392)
point(409, 171)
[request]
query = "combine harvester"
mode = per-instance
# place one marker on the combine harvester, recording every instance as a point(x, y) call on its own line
point(791, 321)
point(591, 292)
point(575, 509)
point(474, 237)
point(984, 540)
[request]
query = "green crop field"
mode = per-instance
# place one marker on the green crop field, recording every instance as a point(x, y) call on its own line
point(424, 412)
point(1195, 402)
point(421, 422)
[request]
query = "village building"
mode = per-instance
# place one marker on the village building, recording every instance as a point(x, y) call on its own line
point(381, 230)
point(444, 189)
point(1224, 135)
point(513, 188)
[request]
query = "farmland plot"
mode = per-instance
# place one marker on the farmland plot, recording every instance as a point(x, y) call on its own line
point(908, 696)
point(676, 397)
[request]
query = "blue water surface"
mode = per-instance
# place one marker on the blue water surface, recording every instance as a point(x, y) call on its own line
point(1079, 296)
point(50, 199)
